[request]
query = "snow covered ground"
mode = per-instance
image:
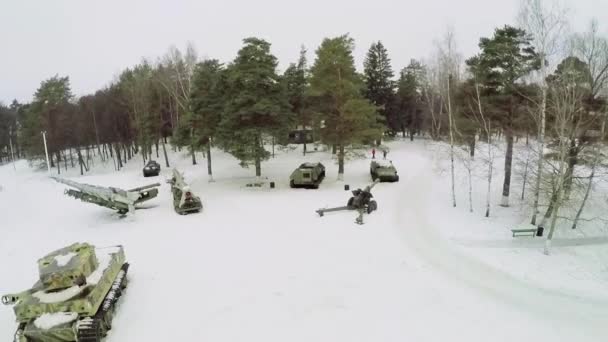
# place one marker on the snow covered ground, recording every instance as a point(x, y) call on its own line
point(260, 265)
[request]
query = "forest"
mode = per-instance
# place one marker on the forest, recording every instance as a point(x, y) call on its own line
point(533, 82)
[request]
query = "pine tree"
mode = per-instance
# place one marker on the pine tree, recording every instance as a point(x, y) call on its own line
point(380, 88)
point(208, 100)
point(46, 113)
point(347, 117)
point(257, 106)
point(296, 83)
point(409, 99)
point(504, 60)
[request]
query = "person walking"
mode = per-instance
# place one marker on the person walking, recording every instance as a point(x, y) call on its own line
point(384, 153)
point(373, 153)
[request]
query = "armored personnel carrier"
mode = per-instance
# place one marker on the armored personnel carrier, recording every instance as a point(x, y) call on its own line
point(75, 297)
point(308, 175)
point(383, 170)
point(184, 201)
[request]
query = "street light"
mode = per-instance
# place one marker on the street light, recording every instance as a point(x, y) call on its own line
point(46, 151)
point(10, 141)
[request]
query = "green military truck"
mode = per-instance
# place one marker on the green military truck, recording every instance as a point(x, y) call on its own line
point(307, 175)
point(384, 171)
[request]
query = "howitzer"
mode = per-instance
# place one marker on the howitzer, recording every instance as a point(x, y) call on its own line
point(361, 200)
point(123, 201)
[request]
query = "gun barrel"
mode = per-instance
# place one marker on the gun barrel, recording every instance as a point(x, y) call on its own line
point(329, 210)
point(371, 186)
point(11, 299)
point(149, 186)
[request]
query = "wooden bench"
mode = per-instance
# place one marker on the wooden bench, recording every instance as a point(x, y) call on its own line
point(525, 231)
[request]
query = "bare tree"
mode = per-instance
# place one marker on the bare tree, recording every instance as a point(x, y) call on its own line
point(592, 49)
point(567, 109)
point(547, 25)
point(176, 78)
point(448, 73)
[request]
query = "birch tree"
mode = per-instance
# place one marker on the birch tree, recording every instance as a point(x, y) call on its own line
point(176, 77)
point(546, 23)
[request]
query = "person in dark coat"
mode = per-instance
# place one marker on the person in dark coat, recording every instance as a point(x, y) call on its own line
point(374, 153)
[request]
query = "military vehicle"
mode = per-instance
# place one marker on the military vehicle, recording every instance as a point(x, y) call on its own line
point(151, 169)
point(75, 297)
point(184, 201)
point(361, 200)
point(123, 201)
point(308, 175)
point(383, 170)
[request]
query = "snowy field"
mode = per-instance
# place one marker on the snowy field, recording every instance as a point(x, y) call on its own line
point(260, 265)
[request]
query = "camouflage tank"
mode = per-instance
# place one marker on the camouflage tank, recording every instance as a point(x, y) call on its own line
point(75, 297)
point(184, 201)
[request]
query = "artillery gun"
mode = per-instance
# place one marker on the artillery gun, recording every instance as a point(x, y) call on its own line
point(184, 201)
point(123, 201)
point(361, 200)
point(75, 296)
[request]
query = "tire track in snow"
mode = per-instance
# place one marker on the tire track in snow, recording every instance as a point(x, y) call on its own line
point(414, 226)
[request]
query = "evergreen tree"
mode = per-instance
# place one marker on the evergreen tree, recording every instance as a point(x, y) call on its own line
point(256, 107)
point(504, 60)
point(347, 117)
point(378, 75)
point(296, 82)
point(47, 113)
point(208, 101)
point(409, 99)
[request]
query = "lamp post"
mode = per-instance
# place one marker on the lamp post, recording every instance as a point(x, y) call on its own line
point(10, 141)
point(46, 151)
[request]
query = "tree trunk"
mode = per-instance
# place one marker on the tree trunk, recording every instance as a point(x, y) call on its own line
point(472, 146)
point(587, 192)
point(193, 153)
point(341, 163)
point(523, 188)
point(541, 147)
point(209, 169)
point(304, 149)
point(470, 185)
point(71, 158)
point(58, 163)
point(508, 163)
point(165, 153)
point(572, 161)
point(333, 149)
point(258, 161)
point(80, 161)
point(451, 122)
point(156, 143)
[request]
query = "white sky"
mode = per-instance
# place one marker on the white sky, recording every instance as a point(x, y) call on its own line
point(92, 41)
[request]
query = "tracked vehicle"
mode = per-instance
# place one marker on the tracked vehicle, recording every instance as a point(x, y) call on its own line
point(75, 297)
point(184, 200)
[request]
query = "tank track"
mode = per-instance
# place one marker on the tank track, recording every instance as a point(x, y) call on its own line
point(19, 333)
point(94, 328)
